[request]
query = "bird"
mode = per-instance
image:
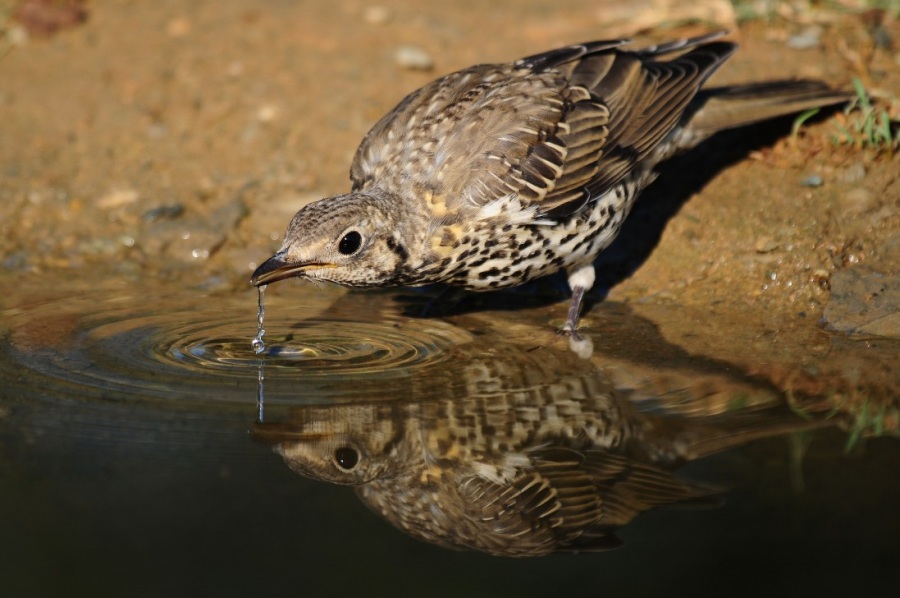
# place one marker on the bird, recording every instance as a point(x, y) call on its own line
point(533, 455)
point(490, 473)
point(498, 174)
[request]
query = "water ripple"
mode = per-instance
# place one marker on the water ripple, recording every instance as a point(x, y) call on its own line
point(189, 346)
point(319, 347)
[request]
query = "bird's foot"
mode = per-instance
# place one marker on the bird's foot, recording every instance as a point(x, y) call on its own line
point(581, 345)
point(570, 328)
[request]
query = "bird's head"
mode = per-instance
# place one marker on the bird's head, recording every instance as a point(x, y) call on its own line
point(350, 444)
point(338, 458)
point(349, 239)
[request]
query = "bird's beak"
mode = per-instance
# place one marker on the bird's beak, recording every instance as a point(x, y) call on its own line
point(284, 433)
point(274, 269)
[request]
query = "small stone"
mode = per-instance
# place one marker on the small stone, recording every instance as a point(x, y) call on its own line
point(813, 181)
point(807, 39)
point(413, 58)
point(117, 198)
point(822, 278)
point(765, 245)
point(165, 212)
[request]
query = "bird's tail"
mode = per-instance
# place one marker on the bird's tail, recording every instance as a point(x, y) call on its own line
point(687, 438)
point(740, 430)
point(716, 109)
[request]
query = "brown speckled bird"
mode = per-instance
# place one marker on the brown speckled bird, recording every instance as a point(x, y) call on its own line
point(523, 475)
point(502, 173)
point(532, 453)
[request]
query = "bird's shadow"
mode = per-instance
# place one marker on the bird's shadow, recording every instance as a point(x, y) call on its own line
point(679, 179)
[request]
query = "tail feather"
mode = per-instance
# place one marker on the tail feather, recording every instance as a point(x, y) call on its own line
point(719, 108)
point(728, 433)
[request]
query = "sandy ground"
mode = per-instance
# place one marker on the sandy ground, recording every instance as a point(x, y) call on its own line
point(174, 140)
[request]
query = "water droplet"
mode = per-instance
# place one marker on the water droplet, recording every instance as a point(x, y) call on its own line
point(257, 343)
point(260, 398)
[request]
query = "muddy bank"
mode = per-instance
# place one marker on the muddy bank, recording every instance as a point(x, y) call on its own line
point(160, 141)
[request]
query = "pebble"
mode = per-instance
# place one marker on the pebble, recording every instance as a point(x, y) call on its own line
point(413, 58)
point(117, 198)
point(165, 212)
point(807, 39)
point(765, 245)
point(813, 181)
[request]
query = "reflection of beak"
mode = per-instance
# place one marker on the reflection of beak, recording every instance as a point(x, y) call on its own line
point(277, 434)
point(274, 269)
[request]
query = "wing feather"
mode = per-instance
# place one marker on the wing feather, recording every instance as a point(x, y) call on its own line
point(570, 500)
point(550, 131)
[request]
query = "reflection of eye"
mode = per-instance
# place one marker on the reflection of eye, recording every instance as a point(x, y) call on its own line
point(350, 243)
point(346, 457)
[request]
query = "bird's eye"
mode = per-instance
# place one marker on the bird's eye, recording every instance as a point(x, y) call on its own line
point(346, 457)
point(350, 243)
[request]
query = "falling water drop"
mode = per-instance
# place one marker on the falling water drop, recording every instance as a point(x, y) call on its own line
point(257, 343)
point(260, 397)
point(258, 347)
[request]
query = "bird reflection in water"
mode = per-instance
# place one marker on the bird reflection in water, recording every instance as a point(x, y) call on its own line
point(525, 461)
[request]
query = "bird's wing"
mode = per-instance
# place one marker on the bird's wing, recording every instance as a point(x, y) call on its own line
point(645, 99)
point(548, 132)
point(541, 508)
point(574, 500)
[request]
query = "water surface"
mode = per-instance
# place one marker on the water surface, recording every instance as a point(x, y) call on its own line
point(134, 461)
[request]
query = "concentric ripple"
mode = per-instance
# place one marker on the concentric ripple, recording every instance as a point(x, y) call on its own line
point(185, 345)
point(321, 348)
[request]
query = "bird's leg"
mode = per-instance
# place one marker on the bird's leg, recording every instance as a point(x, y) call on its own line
point(574, 310)
point(581, 278)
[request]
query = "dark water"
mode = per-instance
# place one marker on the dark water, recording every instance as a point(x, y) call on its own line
point(132, 461)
